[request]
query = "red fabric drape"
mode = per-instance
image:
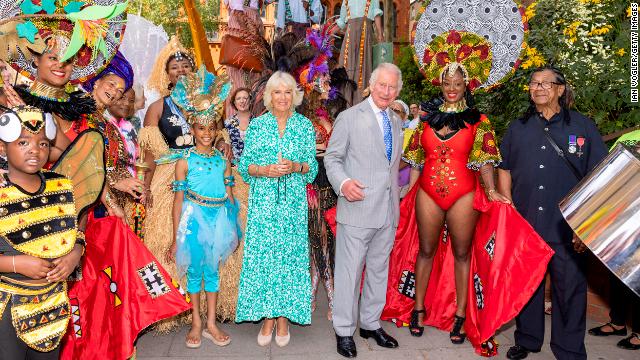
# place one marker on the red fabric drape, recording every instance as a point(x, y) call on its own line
point(124, 290)
point(508, 262)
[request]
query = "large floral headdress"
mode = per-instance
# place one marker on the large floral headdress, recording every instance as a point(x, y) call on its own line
point(484, 40)
point(201, 95)
point(458, 50)
point(87, 32)
point(159, 79)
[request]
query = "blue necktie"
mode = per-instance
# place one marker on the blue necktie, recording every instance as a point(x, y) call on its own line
point(388, 138)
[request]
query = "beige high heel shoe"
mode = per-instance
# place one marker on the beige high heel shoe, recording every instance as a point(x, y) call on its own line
point(264, 340)
point(282, 341)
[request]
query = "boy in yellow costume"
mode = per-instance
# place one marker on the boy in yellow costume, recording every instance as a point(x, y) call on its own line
point(40, 244)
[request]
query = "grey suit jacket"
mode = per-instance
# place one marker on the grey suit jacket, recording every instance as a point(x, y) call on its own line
point(356, 150)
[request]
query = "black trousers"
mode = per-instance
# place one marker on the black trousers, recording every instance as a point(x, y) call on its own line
point(622, 301)
point(12, 348)
point(569, 301)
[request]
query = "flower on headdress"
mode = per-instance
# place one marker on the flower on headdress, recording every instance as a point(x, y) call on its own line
point(482, 51)
point(426, 58)
point(474, 84)
point(463, 52)
point(442, 58)
point(454, 37)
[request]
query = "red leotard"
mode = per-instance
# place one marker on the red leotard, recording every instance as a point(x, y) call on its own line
point(445, 177)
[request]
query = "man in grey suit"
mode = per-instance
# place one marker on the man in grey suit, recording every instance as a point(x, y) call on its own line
point(362, 165)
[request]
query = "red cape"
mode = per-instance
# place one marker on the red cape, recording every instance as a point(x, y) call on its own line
point(123, 290)
point(508, 262)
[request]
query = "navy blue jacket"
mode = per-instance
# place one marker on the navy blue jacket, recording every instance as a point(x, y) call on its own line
point(540, 178)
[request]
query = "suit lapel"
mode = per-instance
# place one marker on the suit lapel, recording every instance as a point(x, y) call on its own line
point(397, 136)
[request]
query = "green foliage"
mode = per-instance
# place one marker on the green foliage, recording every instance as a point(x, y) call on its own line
point(415, 87)
point(171, 16)
point(583, 39)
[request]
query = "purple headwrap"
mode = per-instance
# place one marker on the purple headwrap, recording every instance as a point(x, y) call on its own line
point(118, 66)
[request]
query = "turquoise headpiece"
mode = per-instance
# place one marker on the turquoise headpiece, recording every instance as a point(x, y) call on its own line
point(201, 95)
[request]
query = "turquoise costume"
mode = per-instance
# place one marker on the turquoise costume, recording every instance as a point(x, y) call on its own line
point(275, 278)
point(208, 231)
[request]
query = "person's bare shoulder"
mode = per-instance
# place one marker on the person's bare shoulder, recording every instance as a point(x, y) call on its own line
point(152, 117)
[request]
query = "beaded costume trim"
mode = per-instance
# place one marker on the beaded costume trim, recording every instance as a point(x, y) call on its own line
point(204, 200)
point(40, 315)
point(41, 225)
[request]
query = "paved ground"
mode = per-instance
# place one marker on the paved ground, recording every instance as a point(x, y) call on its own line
point(318, 342)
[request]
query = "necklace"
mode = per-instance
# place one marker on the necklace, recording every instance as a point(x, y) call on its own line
point(456, 107)
point(42, 90)
point(212, 153)
point(64, 131)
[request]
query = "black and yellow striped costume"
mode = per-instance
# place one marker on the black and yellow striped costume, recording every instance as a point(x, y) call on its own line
point(41, 224)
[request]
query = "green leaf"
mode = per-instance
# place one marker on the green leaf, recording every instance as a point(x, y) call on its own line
point(75, 44)
point(49, 6)
point(29, 8)
point(101, 46)
point(96, 12)
point(73, 7)
point(27, 31)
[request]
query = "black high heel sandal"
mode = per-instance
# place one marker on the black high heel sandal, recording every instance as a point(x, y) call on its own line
point(414, 328)
point(455, 335)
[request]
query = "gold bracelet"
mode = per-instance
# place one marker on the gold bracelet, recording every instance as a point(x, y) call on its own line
point(13, 260)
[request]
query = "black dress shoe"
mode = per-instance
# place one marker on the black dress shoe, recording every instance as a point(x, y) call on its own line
point(346, 346)
point(518, 352)
point(597, 331)
point(381, 337)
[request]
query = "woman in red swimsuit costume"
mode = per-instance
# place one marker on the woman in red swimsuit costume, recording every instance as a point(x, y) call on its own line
point(456, 142)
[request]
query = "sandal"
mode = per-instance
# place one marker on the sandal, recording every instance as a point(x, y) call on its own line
point(414, 325)
point(627, 344)
point(207, 335)
point(193, 343)
point(597, 331)
point(455, 335)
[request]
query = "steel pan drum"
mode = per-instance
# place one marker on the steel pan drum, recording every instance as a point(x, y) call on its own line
point(604, 211)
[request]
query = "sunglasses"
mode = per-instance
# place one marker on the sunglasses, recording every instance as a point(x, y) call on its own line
point(397, 111)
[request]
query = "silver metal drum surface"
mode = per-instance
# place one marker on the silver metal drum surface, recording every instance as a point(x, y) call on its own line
point(604, 211)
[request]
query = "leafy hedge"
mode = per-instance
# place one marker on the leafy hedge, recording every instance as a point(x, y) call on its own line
point(586, 39)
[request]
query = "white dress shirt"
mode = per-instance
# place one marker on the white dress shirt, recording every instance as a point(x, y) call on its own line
point(239, 4)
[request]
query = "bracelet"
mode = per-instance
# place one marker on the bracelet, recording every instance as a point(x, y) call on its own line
point(301, 167)
point(80, 240)
point(13, 260)
point(490, 191)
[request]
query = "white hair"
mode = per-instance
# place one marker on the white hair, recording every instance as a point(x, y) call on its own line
point(405, 108)
point(282, 78)
point(386, 67)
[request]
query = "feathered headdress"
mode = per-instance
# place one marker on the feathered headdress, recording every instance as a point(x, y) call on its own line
point(311, 75)
point(201, 95)
point(87, 32)
point(159, 79)
point(30, 118)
